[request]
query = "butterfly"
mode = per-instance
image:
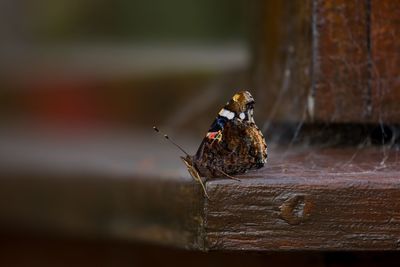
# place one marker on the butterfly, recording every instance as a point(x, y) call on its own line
point(233, 144)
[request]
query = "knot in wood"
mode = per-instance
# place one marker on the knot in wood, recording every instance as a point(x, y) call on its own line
point(296, 209)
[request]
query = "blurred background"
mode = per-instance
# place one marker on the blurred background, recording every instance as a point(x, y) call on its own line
point(82, 82)
point(81, 85)
point(127, 63)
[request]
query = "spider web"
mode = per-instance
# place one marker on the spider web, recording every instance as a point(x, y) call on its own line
point(377, 86)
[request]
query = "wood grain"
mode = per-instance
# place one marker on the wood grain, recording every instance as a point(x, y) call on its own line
point(335, 61)
point(282, 60)
point(385, 57)
point(323, 200)
point(304, 199)
point(340, 61)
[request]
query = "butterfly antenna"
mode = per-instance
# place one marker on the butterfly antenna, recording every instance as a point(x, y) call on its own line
point(169, 139)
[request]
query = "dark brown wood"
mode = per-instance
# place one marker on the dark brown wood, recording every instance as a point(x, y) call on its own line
point(340, 61)
point(332, 199)
point(135, 188)
point(356, 61)
point(385, 60)
point(141, 209)
point(127, 188)
point(335, 61)
point(282, 64)
point(44, 251)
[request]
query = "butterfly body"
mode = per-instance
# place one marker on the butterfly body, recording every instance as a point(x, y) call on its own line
point(233, 144)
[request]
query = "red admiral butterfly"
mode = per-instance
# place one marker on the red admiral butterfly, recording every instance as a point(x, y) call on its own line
point(232, 145)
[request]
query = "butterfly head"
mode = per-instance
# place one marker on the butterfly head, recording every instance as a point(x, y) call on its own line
point(242, 104)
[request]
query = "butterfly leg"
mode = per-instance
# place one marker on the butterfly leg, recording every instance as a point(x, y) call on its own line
point(195, 175)
point(229, 176)
point(203, 186)
point(197, 178)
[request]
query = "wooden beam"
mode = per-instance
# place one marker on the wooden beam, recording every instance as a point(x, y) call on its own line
point(282, 59)
point(144, 209)
point(329, 61)
point(385, 60)
point(303, 199)
point(340, 62)
point(334, 199)
point(116, 186)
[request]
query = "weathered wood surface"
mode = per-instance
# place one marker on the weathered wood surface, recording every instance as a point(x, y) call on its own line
point(135, 188)
point(331, 199)
point(385, 59)
point(332, 60)
point(340, 61)
point(282, 59)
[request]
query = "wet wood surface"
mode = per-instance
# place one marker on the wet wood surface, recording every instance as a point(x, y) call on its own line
point(304, 199)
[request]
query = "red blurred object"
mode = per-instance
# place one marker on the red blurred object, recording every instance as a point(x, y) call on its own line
point(62, 103)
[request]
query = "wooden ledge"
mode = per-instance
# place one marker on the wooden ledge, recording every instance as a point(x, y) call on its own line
point(326, 199)
point(304, 199)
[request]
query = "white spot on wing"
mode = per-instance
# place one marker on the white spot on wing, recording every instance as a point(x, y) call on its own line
point(227, 114)
point(242, 116)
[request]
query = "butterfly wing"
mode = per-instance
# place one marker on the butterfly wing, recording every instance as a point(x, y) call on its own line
point(239, 148)
point(233, 144)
